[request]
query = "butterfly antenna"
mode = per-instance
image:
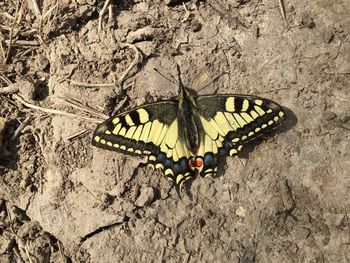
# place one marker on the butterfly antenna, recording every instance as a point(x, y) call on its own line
point(213, 79)
point(199, 73)
point(172, 79)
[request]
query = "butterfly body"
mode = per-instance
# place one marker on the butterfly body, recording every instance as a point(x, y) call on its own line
point(184, 137)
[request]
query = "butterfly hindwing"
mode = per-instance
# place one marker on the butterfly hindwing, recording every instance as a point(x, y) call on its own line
point(230, 121)
point(151, 130)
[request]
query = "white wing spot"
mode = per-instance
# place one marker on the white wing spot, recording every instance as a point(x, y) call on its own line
point(245, 105)
point(115, 120)
point(143, 114)
point(230, 104)
point(258, 102)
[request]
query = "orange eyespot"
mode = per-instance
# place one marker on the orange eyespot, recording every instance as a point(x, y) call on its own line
point(195, 162)
point(199, 161)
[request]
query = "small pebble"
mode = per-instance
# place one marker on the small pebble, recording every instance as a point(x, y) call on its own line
point(307, 21)
point(146, 197)
point(241, 212)
point(328, 37)
point(328, 115)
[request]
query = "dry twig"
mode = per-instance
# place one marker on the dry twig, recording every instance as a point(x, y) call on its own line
point(91, 85)
point(110, 15)
point(11, 35)
point(5, 79)
point(32, 43)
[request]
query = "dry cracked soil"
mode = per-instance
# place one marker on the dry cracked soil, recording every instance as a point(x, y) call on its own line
point(68, 65)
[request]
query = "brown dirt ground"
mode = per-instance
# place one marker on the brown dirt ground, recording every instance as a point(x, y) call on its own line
point(286, 199)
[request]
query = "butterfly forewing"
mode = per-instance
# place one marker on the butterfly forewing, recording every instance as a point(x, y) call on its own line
point(137, 131)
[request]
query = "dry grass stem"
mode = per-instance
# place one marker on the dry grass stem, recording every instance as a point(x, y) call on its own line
point(91, 85)
point(35, 7)
point(32, 43)
point(20, 128)
point(78, 105)
point(121, 105)
point(137, 60)
point(9, 47)
point(101, 14)
point(76, 135)
point(282, 9)
point(7, 15)
point(5, 79)
point(54, 111)
point(110, 15)
point(10, 89)
point(48, 12)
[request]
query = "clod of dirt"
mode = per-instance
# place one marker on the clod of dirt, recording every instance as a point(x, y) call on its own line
point(146, 197)
point(27, 89)
point(241, 212)
point(6, 242)
point(19, 213)
point(332, 219)
point(42, 62)
point(307, 21)
point(328, 36)
point(142, 34)
point(196, 26)
point(342, 64)
point(286, 195)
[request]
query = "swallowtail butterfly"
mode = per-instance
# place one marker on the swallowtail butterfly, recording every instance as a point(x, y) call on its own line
point(185, 136)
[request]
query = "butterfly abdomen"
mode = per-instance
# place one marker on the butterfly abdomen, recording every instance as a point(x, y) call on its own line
point(188, 125)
